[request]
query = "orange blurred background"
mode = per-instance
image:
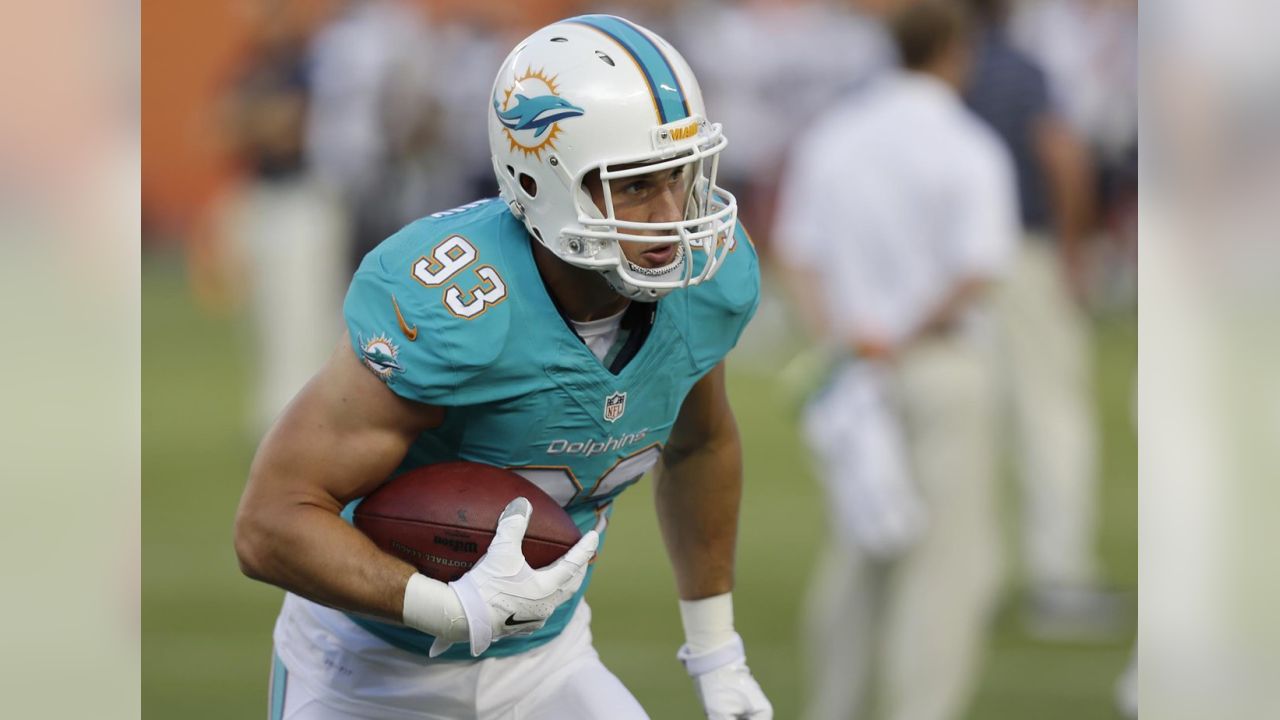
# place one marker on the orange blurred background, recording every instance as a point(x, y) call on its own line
point(192, 51)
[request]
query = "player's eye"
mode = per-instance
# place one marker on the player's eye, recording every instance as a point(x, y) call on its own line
point(636, 188)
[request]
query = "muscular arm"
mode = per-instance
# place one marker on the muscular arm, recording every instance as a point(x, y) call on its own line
point(341, 437)
point(697, 490)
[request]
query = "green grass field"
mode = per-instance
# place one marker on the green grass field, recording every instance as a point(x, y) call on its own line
point(206, 629)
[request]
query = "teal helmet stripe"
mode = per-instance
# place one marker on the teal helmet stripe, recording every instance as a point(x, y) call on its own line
point(668, 95)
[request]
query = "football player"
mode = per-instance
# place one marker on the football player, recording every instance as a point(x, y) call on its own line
point(573, 330)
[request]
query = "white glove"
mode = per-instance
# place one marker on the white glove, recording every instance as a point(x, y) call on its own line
point(724, 683)
point(502, 596)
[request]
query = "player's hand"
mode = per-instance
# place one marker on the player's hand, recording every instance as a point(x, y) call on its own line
point(724, 683)
point(503, 596)
point(874, 348)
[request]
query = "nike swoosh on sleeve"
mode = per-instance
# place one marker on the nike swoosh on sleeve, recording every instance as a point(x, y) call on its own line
point(409, 332)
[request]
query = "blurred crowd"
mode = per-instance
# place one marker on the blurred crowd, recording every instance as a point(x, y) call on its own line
point(350, 120)
point(376, 105)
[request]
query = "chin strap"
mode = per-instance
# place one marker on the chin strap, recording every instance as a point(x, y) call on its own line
point(631, 292)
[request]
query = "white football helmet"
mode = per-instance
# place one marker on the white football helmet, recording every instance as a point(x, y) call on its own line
point(599, 93)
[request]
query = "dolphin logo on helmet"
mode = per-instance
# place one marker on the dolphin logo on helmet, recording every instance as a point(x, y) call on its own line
point(536, 113)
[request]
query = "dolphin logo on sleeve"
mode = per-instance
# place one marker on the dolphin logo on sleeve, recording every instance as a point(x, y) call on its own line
point(380, 356)
point(381, 359)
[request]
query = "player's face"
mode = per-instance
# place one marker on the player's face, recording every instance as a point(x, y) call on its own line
point(655, 197)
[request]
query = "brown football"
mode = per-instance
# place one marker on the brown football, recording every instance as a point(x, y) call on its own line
point(441, 518)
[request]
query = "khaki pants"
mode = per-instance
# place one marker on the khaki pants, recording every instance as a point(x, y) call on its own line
point(293, 236)
point(906, 637)
point(1049, 382)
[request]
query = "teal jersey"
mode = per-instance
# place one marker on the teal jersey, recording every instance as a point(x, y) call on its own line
point(452, 311)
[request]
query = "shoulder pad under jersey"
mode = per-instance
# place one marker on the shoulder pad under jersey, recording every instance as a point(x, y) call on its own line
point(426, 310)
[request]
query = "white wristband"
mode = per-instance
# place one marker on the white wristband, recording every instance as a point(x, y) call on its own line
point(702, 663)
point(708, 622)
point(473, 606)
point(432, 607)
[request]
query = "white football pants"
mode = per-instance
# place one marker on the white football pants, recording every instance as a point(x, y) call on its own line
point(328, 668)
point(1048, 370)
point(903, 639)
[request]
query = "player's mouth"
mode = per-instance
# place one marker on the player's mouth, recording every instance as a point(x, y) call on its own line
point(659, 255)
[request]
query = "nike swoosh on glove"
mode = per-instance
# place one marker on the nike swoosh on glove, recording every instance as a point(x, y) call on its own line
point(502, 596)
point(725, 684)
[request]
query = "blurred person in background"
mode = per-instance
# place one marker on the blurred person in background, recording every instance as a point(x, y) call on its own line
point(787, 62)
point(900, 210)
point(1210, 400)
point(614, 280)
point(396, 84)
point(373, 130)
point(1046, 337)
point(663, 17)
point(776, 67)
point(1089, 52)
point(285, 229)
point(471, 38)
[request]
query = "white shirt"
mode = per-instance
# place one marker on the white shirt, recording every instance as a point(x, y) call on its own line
point(894, 197)
point(600, 335)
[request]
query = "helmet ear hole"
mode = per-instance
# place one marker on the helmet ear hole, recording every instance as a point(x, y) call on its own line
point(529, 185)
point(511, 171)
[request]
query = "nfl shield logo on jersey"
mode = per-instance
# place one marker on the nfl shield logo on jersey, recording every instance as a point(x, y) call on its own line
point(614, 406)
